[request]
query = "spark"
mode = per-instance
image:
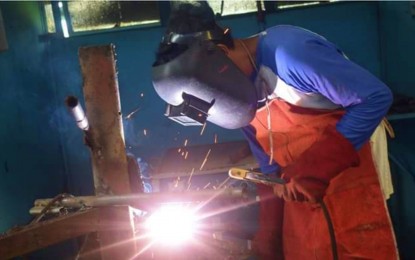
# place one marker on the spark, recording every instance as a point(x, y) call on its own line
point(216, 138)
point(142, 95)
point(183, 153)
point(185, 142)
point(162, 231)
point(222, 210)
point(185, 156)
point(179, 150)
point(203, 129)
point(130, 115)
point(207, 185)
point(145, 248)
point(145, 132)
point(223, 183)
point(191, 174)
point(205, 160)
point(177, 182)
point(219, 191)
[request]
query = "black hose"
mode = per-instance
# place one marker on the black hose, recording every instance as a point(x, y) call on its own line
point(331, 230)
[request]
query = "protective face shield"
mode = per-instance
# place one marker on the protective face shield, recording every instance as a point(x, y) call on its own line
point(202, 83)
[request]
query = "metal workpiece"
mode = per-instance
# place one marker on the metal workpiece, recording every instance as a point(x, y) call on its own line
point(103, 110)
point(53, 211)
point(118, 220)
point(144, 200)
point(76, 110)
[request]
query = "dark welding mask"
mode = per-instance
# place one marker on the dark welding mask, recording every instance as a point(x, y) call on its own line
point(201, 84)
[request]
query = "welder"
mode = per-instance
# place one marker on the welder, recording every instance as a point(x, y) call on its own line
point(308, 113)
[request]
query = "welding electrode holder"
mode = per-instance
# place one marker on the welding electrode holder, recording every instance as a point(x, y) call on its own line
point(247, 175)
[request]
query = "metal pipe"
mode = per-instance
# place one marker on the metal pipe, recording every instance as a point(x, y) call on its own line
point(144, 201)
point(77, 112)
point(38, 210)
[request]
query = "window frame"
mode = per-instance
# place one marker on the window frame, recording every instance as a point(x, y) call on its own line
point(59, 13)
point(271, 6)
point(164, 11)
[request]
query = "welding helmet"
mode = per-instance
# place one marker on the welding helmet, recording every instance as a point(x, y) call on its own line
point(202, 83)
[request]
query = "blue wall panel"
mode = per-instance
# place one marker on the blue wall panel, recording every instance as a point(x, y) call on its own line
point(397, 32)
point(397, 26)
point(30, 151)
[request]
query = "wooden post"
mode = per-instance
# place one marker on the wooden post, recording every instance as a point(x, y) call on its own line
point(105, 137)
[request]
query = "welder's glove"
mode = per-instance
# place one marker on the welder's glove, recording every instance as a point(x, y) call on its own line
point(309, 176)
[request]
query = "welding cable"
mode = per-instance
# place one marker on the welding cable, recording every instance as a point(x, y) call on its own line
point(49, 206)
point(330, 226)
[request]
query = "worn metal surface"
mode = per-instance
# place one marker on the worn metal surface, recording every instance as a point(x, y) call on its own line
point(119, 244)
point(105, 136)
point(103, 109)
point(45, 233)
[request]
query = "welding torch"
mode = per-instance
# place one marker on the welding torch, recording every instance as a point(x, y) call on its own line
point(247, 175)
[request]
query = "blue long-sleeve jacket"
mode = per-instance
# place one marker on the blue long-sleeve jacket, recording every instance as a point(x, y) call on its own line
point(310, 64)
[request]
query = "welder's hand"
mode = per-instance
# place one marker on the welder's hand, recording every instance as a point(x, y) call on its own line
point(301, 190)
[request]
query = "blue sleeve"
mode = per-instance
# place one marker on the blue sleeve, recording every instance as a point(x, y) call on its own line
point(259, 154)
point(317, 66)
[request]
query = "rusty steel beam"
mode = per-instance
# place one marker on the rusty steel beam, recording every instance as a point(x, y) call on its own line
point(106, 137)
point(104, 220)
point(103, 109)
point(144, 201)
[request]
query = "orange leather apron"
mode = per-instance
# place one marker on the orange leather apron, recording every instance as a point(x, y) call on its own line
point(354, 199)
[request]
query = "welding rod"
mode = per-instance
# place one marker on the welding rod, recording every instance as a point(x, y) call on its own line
point(77, 112)
point(144, 200)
